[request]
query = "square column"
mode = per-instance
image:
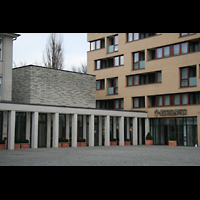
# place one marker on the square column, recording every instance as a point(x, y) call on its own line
point(48, 129)
point(140, 131)
point(84, 126)
point(67, 126)
point(146, 126)
point(128, 128)
point(74, 130)
point(34, 136)
point(107, 130)
point(121, 131)
point(55, 129)
point(114, 128)
point(100, 130)
point(11, 130)
point(28, 127)
point(135, 131)
point(91, 130)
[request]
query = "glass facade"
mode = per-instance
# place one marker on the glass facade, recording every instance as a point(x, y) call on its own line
point(185, 129)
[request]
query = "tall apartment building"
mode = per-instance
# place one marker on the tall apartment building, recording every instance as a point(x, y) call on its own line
point(155, 72)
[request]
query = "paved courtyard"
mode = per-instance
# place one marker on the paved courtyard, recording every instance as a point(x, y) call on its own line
point(103, 156)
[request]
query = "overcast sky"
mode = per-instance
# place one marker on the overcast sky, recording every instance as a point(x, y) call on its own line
point(29, 48)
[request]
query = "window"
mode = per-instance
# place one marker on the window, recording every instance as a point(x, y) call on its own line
point(138, 102)
point(97, 44)
point(184, 48)
point(188, 76)
point(166, 51)
point(167, 100)
point(138, 60)
point(176, 99)
point(184, 34)
point(113, 86)
point(184, 99)
point(116, 61)
point(136, 36)
point(159, 52)
point(119, 60)
point(98, 64)
point(159, 101)
point(176, 49)
point(100, 84)
point(119, 103)
point(0, 48)
point(116, 43)
point(147, 78)
point(130, 38)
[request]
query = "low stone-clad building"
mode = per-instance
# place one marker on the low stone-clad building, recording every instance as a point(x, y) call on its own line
point(41, 85)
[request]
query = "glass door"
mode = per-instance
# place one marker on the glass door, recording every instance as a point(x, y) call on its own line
point(42, 130)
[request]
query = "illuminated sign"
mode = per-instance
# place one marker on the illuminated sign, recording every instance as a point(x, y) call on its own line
point(170, 112)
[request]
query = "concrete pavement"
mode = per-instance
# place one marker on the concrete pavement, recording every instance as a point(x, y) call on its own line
point(102, 156)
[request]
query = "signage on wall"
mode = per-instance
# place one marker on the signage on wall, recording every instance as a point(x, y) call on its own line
point(170, 112)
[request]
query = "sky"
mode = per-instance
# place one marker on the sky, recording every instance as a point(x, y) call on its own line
point(29, 48)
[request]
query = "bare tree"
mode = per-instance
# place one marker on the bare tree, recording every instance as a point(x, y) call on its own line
point(53, 56)
point(82, 69)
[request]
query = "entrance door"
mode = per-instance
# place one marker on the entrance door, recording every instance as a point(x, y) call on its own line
point(164, 135)
point(42, 130)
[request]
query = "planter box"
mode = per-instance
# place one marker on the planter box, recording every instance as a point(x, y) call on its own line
point(149, 142)
point(127, 142)
point(81, 144)
point(24, 145)
point(63, 144)
point(172, 143)
point(17, 146)
point(2, 146)
point(113, 143)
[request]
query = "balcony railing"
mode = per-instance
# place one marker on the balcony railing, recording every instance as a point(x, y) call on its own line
point(192, 81)
point(111, 49)
point(110, 90)
point(142, 64)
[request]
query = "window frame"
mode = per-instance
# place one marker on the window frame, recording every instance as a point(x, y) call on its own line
point(139, 102)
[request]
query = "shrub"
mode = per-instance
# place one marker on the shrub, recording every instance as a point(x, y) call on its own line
point(2, 142)
point(127, 139)
point(113, 139)
point(80, 140)
point(172, 136)
point(149, 137)
point(21, 141)
point(63, 140)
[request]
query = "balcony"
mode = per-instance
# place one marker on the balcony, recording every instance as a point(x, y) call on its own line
point(192, 81)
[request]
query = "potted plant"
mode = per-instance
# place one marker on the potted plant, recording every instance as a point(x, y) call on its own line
point(127, 141)
point(113, 142)
point(172, 140)
point(63, 143)
point(81, 143)
point(149, 139)
point(2, 144)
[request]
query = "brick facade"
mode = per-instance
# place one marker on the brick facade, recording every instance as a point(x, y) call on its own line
point(40, 85)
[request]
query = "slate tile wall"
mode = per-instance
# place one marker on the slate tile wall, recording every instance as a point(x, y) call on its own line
point(34, 84)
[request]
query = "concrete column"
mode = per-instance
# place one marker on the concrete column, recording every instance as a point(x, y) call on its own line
point(67, 126)
point(55, 129)
point(34, 135)
point(74, 130)
point(128, 128)
point(11, 130)
point(146, 126)
point(48, 130)
point(91, 130)
point(114, 128)
point(100, 130)
point(140, 131)
point(135, 132)
point(5, 124)
point(107, 130)
point(84, 126)
point(121, 131)
point(28, 127)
